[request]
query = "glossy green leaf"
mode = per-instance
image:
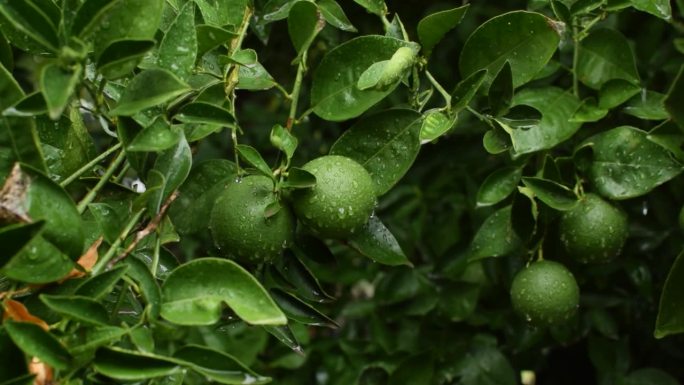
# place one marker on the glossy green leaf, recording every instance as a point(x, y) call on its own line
point(121, 57)
point(433, 27)
point(385, 143)
point(299, 311)
point(296, 273)
point(498, 185)
point(27, 27)
point(221, 13)
point(15, 237)
point(218, 366)
point(193, 294)
point(30, 105)
point(210, 37)
point(130, 366)
point(174, 165)
point(674, 96)
point(243, 57)
point(36, 342)
point(109, 220)
point(283, 140)
point(496, 141)
point(254, 78)
point(527, 40)
point(284, 334)
point(299, 178)
point(495, 237)
point(605, 55)
point(89, 14)
point(191, 209)
point(588, 111)
point(149, 89)
point(303, 25)
point(140, 273)
point(253, 158)
point(178, 49)
point(557, 106)
point(554, 194)
point(615, 92)
point(648, 105)
point(334, 95)
point(57, 85)
point(39, 262)
point(66, 143)
point(466, 90)
point(78, 308)
point(659, 8)
point(334, 15)
point(205, 113)
point(501, 91)
point(671, 308)
point(100, 285)
point(435, 124)
point(158, 136)
point(376, 242)
point(627, 164)
point(124, 20)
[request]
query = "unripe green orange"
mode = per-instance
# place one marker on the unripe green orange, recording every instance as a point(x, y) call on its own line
point(545, 293)
point(239, 226)
point(594, 231)
point(341, 201)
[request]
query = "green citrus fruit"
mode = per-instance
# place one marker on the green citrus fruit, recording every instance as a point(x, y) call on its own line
point(594, 231)
point(545, 293)
point(239, 225)
point(342, 199)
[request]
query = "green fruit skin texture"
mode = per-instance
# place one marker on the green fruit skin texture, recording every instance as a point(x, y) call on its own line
point(341, 201)
point(238, 224)
point(545, 293)
point(594, 231)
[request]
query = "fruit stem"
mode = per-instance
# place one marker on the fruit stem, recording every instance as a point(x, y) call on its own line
point(89, 165)
point(296, 89)
point(102, 262)
point(103, 180)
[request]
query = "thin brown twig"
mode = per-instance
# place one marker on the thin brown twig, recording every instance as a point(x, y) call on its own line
point(149, 229)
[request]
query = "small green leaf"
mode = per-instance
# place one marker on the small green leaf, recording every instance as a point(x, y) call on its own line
point(218, 366)
point(178, 49)
point(498, 185)
point(140, 273)
point(27, 27)
point(615, 92)
point(225, 12)
point(334, 15)
point(432, 28)
point(205, 113)
point(38, 262)
point(501, 91)
point(377, 7)
point(303, 24)
point(89, 15)
point(659, 8)
point(158, 136)
point(300, 311)
point(496, 141)
point(283, 140)
point(527, 40)
point(131, 366)
point(100, 285)
point(588, 111)
point(57, 85)
point(555, 195)
point(174, 165)
point(243, 57)
point(605, 55)
point(210, 37)
point(376, 242)
point(78, 308)
point(36, 342)
point(299, 178)
point(435, 124)
point(121, 57)
point(254, 78)
point(674, 96)
point(648, 105)
point(301, 278)
point(466, 90)
point(253, 158)
point(149, 89)
point(495, 237)
point(188, 300)
point(385, 143)
point(627, 164)
point(334, 95)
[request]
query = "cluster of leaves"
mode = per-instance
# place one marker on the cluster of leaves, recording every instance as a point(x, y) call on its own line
point(119, 118)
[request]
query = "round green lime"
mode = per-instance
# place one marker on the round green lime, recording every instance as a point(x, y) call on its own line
point(240, 227)
point(341, 201)
point(545, 293)
point(594, 231)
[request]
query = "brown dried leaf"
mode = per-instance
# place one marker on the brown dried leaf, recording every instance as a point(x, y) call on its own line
point(16, 311)
point(13, 197)
point(43, 373)
point(86, 261)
